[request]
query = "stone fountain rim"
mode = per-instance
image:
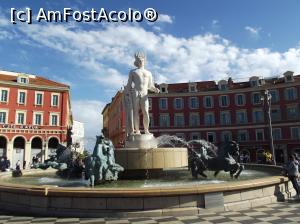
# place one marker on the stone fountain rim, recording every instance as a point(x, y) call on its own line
point(47, 190)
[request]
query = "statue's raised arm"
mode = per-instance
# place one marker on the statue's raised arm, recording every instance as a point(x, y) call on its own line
point(151, 85)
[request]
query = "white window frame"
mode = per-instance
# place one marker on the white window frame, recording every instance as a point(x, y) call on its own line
point(276, 94)
point(211, 100)
point(246, 116)
point(58, 95)
point(165, 86)
point(214, 120)
point(168, 123)
point(254, 81)
point(190, 102)
point(25, 100)
point(295, 90)
point(42, 118)
point(192, 86)
point(20, 77)
point(6, 116)
point(17, 116)
point(50, 119)
point(280, 114)
point(253, 117)
point(35, 98)
point(227, 100)
point(292, 133)
point(263, 134)
point(280, 131)
point(293, 106)
point(182, 103)
point(159, 104)
point(259, 100)
point(7, 89)
point(246, 134)
point(229, 116)
point(190, 116)
point(223, 85)
point(236, 99)
point(183, 120)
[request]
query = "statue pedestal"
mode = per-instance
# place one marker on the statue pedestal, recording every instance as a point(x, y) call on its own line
point(142, 158)
point(141, 141)
point(142, 162)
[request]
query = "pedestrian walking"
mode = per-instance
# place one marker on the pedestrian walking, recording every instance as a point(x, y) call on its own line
point(24, 165)
point(293, 172)
point(18, 165)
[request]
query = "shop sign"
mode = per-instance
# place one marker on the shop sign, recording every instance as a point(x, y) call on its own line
point(14, 126)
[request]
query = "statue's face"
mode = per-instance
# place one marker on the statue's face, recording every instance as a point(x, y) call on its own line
point(140, 62)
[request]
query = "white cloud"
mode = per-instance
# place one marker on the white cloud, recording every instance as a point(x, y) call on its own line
point(89, 112)
point(3, 20)
point(5, 35)
point(107, 54)
point(157, 28)
point(163, 18)
point(253, 30)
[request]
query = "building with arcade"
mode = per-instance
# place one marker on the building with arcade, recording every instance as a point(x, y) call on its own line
point(35, 116)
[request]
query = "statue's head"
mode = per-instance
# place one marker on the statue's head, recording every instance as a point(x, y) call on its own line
point(140, 59)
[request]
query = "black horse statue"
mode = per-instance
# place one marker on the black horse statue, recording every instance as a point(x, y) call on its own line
point(201, 159)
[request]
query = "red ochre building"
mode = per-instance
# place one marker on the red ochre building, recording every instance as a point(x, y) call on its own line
point(35, 116)
point(223, 111)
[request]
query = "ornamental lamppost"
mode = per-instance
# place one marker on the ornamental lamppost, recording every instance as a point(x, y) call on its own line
point(266, 99)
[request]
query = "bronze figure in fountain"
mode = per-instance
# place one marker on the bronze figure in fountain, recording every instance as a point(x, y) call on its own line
point(225, 159)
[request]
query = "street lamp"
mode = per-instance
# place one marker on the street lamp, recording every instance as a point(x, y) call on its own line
point(266, 99)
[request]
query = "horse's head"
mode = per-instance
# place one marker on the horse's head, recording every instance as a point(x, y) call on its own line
point(233, 148)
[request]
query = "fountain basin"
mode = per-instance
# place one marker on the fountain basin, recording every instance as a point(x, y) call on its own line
point(152, 201)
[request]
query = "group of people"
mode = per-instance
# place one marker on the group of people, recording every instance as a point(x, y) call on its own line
point(244, 158)
point(4, 164)
point(35, 160)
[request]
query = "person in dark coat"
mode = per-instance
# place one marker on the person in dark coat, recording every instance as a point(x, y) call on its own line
point(293, 173)
point(18, 165)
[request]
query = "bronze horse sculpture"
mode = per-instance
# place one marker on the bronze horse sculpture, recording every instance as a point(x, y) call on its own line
point(225, 159)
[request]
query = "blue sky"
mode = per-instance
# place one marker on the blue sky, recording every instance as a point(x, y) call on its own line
point(191, 41)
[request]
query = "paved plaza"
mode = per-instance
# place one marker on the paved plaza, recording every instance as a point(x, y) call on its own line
point(284, 212)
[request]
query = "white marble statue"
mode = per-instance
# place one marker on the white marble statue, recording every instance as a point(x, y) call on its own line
point(139, 82)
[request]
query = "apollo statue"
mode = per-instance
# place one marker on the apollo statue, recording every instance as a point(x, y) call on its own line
point(136, 96)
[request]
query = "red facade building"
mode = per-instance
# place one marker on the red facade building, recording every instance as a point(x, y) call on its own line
point(35, 116)
point(114, 120)
point(227, 110)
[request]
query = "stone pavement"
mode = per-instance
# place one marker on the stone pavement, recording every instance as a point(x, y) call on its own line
point(284, 212)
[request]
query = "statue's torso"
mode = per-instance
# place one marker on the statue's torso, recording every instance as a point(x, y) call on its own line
point(141, 79)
